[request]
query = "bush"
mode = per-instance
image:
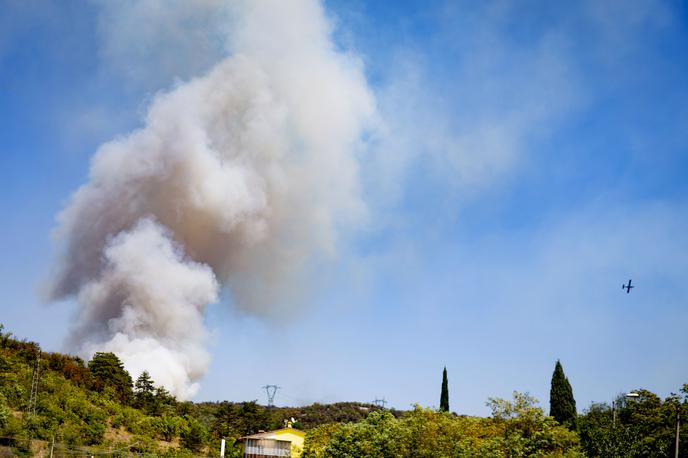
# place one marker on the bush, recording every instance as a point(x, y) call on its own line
point(168, 427)
point(4, 412)
point(193, 435)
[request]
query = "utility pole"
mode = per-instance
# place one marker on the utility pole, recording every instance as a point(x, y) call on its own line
point(380, 402)
point(271, 390)
point(615, 405)
point(678, 428)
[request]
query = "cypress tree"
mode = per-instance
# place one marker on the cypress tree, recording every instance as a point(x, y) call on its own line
point(562, 405)
point(444, 396)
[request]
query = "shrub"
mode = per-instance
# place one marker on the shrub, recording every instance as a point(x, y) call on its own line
point(193, 435)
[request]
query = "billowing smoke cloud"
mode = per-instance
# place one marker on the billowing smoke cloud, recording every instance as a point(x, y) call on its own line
point(238, 179)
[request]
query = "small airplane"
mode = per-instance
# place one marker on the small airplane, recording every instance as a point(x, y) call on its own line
point(627, 287)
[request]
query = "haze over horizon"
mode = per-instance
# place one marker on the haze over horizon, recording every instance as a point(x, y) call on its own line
point(342, 198)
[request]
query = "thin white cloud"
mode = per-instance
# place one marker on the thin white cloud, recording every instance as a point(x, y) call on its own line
point(472, 119)
point(151, 43)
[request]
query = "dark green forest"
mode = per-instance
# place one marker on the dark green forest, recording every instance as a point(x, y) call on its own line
point(52, 402)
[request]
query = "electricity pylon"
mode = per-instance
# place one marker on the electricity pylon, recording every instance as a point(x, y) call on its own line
point(34, 385)
point(271, 390)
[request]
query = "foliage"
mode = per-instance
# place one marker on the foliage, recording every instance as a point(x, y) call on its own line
point(4, 412)
point(233, 447)
point(518, 428)
point(153, 400)
point(168, 427)
point(107, 371)
point(644, 426)
point(72, 367)
point(318, 438)
point(378, 436)
point(163, 402)
point(81, 406)
point(444, 395)
point(225, 419)
point(241, 419)
point(144, 391)
point(562, 405)
point(436, 434)
point(193, 435)
point(528, 432)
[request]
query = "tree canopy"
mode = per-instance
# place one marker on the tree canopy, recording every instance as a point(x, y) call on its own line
point(444, 395)
point(517, 428)
point(108, 371)
point(645, 426)
point(562, 405)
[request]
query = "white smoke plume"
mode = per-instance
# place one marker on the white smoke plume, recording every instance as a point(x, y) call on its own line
point(238, 179)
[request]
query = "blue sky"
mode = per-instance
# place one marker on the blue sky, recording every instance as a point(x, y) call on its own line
point(534, 158)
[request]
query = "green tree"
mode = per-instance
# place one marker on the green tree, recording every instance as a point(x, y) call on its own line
point(242, 419)
point(528, 432)
point(168, 427)
point(562, 405)
point(5, 337)
point(163, 402)
point(193, 435)
point(317, 440)
point(644, 427)
point(444, 395)
point(518, 428)
point(379, 436)
point(108, 371)
point(600, 436)
point(144, 392)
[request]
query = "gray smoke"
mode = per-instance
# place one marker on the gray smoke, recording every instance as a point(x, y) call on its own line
point(237, 179)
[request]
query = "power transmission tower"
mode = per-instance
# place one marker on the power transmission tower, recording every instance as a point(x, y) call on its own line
point(34, 385)
point(271, 390)
point(380, 402)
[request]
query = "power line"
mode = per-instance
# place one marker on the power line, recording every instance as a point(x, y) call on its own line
point(64, 449)
point(296, 401)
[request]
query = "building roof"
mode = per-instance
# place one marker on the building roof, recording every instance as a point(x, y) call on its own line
point(274, 433)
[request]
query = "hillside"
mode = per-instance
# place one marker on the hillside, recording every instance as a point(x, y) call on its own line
point(52, 402)
point(79, 407)
point(95, 407)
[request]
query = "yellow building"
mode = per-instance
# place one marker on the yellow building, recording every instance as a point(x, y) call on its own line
point(285, 442)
